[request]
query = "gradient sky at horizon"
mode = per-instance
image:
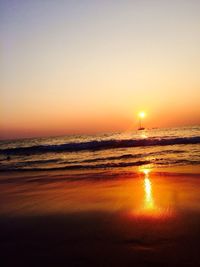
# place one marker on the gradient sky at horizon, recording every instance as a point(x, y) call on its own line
point(89, 66)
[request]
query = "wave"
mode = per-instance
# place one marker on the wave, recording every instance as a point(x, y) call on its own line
point(99, 145)
point(79, 167)
point(157, 162)
point(131, 156)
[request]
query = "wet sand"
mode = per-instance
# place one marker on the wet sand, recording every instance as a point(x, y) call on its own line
point(142, 218)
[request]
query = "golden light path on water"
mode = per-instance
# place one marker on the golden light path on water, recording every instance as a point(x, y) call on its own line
point(148, 193)
point(143, 193)
point(149, 208)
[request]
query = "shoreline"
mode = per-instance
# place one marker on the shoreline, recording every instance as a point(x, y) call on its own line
point(183, 169)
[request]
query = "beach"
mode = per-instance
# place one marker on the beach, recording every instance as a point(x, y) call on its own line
point(100, 133)
point(142, 217)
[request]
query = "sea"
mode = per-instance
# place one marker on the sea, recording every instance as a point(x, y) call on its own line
point(157, 147)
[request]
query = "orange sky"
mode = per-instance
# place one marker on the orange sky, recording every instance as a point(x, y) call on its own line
point(73, 67)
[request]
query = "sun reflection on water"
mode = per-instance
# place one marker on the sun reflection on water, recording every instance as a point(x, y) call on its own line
point(148, 200)
point(144, 136)
point(149, 203)
point(149, 206)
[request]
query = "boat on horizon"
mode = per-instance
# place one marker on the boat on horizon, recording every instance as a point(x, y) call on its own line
point(141, 128)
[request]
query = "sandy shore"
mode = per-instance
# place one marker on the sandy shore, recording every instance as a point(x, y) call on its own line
point(141, 218)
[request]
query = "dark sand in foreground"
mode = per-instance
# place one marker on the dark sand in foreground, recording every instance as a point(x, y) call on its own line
point(105, 219)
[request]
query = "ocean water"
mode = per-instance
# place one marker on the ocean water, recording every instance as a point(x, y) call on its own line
point(88, 217)
point(157, 147)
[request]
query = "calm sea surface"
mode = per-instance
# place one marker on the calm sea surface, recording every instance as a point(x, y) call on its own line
point(159, 147)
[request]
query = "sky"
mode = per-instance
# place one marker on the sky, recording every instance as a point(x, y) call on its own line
point(87, 66)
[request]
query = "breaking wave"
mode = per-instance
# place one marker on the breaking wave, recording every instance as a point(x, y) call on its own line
point(99, 145)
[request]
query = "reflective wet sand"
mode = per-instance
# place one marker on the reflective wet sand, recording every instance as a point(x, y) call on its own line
point(142, 218)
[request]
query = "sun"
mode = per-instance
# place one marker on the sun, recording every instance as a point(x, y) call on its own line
point(142, 114)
